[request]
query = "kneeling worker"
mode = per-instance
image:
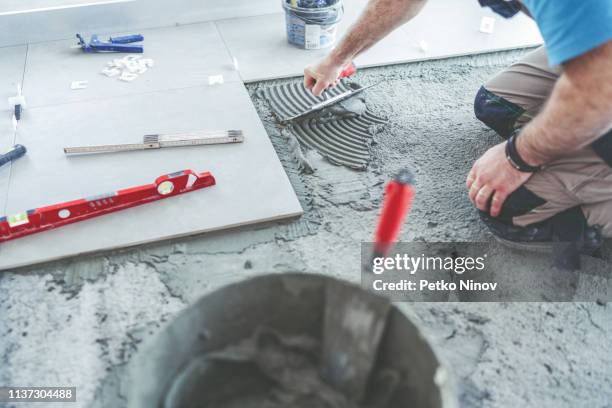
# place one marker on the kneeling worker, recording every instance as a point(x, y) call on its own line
point(551, 178)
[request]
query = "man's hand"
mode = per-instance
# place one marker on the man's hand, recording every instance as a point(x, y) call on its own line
point(493, 176)
point(320, 77)
point(379, 18)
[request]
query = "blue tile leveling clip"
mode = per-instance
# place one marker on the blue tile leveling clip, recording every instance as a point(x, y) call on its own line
point(114, 44)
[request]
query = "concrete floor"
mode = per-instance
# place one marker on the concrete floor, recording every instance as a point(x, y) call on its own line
point(79, 322)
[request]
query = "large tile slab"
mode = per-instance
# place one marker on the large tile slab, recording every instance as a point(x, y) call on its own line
point(252, 185)
point(260, 43)
point(184, 56)
point(27, 21)
point(7, 139)
point(12, 60)
point(450, 27)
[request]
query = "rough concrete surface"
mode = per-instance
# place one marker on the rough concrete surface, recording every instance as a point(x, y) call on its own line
point(79, 322)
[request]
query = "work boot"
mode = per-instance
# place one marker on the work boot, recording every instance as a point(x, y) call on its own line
point(564, 235)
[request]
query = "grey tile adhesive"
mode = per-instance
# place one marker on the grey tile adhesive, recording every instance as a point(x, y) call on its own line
point(342, 133)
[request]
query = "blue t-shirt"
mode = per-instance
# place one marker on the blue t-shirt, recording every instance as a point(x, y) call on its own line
point(571, 27)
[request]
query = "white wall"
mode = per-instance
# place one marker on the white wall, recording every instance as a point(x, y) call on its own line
point(28, 6)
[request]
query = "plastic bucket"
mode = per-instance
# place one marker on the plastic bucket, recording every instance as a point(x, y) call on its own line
point(312, 28)
point(167, 371)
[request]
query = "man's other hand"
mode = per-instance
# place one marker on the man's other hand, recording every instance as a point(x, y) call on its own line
point(319, 77)
point(492, 179)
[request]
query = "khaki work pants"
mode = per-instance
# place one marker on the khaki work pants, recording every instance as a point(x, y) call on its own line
point(581, 179)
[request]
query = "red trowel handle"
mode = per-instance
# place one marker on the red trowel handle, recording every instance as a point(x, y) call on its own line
point(399, 193)
point(348, 71)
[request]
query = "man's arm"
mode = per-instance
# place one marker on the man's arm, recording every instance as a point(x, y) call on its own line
point(378, 19)
point(578, 111)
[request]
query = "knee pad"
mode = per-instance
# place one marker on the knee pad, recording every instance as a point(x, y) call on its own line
point(496, 112)
point(567, 226)
point(519, 202)
point(603, 148)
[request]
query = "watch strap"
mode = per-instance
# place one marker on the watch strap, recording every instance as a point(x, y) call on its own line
point(515, 158)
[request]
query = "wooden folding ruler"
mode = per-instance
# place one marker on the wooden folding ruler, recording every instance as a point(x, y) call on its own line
point(160, 141)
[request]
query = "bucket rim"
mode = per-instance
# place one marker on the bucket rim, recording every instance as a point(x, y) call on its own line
point(337, 6)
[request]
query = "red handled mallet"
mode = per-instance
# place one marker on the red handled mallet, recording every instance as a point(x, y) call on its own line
point(399, 194)
point(349, 71)
point(350, 349)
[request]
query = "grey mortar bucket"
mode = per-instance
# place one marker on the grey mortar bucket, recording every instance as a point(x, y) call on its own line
point(294, 305)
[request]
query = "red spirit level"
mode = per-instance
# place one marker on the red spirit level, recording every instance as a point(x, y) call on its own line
point(58, 215)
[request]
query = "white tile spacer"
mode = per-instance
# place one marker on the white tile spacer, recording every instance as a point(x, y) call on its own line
point(79, 85)
point(141, 70)
point(132, 66)
point(128, 76)
point(487, 25)
point(235, 61)
point(148, 62)
point(423, 46)
point(111, 71)
point(18, 99)
point(215, 79)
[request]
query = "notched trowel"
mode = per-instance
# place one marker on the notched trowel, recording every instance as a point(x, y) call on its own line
point(326, 104)
point(353, 328)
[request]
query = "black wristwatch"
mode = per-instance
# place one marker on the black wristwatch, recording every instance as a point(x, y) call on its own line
point(515, 158)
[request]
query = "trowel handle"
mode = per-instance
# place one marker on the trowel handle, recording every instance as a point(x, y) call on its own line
point(348, 71)
point(399, 194)
point(16, 152)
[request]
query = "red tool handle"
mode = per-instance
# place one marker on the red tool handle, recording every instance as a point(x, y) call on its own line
point(399, 194)
point(348, 71)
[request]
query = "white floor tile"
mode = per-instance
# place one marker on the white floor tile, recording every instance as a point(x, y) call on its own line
point(12, 60)
point(252, 185)
point(184, 56)
point(450, 27)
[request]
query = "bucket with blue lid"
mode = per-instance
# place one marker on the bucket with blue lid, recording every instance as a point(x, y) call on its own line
point(312, 24)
